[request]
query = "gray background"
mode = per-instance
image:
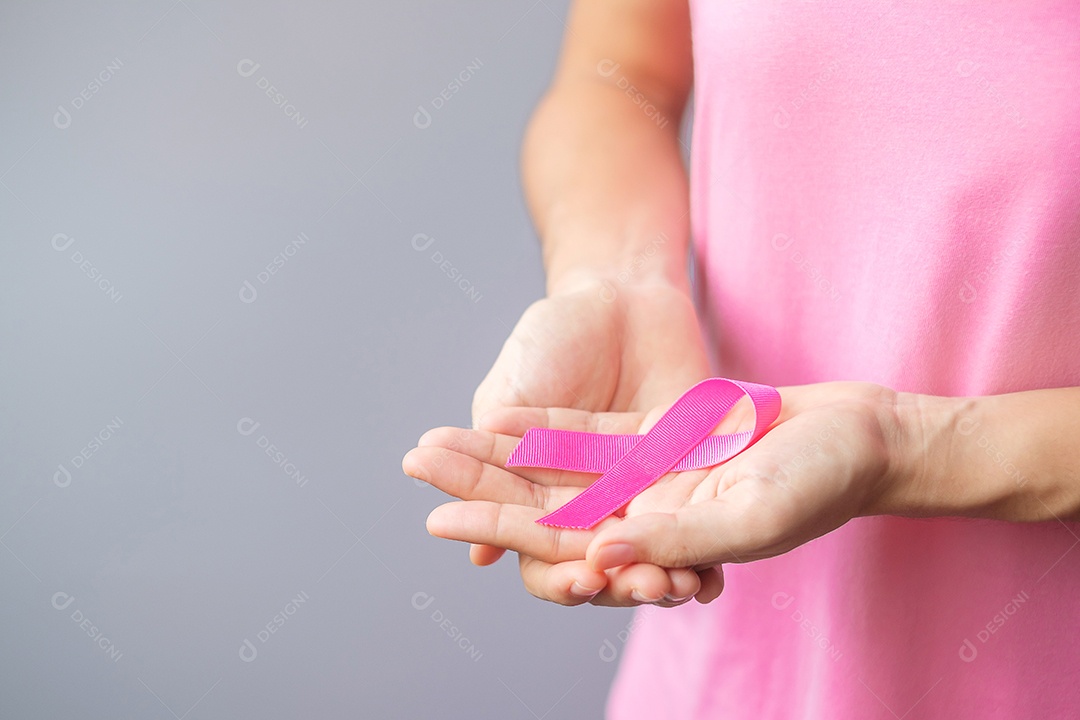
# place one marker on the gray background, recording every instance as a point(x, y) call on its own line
point(176, 536)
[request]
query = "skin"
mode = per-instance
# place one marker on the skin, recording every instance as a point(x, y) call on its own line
point(837, 451)
point(616, 340)
point(613, 333)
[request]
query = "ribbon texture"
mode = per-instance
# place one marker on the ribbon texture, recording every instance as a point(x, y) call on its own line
point(680, 440)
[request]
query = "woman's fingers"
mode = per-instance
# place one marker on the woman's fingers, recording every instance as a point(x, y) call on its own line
point(712, 584)
point(574, 583)
point(482, 555)
point(515, 421)
point(487, 446)
point(492, 448)
point(685, 584)
point(566, 583)
point(435, 461)
point(512, 527)
point(467, 478)
point(644, 584)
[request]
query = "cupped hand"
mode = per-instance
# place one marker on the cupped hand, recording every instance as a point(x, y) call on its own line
point(470, 464)
point(828, 458)
point(602, 347)
point(597, 346)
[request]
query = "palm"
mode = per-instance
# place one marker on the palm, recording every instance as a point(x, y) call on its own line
point(593, 351)
point(814, 471)
point(600, 349)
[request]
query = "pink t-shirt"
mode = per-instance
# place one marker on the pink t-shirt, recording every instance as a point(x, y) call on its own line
point(887, 192)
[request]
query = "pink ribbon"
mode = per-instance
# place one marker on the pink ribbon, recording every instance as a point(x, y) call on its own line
point(680, 440)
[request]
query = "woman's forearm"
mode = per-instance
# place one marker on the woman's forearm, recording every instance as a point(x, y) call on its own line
point(606, 188)
point(601, 162)
point(1008, 457)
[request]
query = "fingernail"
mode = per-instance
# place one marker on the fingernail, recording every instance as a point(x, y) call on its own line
point(638, 597)
point(671, 599)
point(613, 555)
point(582, 591)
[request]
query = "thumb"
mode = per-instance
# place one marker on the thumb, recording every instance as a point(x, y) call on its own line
point(686, 538)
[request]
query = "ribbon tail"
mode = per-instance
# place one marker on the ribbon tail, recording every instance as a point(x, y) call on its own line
point(597, 453)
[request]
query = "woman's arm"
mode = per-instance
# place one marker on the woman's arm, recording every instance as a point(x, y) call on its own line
point(1007, 457)
point(839, 451)
point(601, 164)
point(607, 190)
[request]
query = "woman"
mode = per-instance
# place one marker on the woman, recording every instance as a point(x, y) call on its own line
point(884, 201)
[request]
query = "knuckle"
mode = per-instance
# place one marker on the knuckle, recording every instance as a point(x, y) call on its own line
point(555, 544)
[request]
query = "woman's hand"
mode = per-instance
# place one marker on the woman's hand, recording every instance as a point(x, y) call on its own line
point(470, 464)
point(608, 194)
point(599, 345)
point(612, 345)
point(829, 458)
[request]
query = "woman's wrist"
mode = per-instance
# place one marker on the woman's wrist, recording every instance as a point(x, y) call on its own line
point(610, 263)
point(615, 245)
point(912, 425)
point(946, 460)
point(608, 280)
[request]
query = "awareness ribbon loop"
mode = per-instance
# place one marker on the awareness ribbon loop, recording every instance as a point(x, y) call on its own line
point(680, 440)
